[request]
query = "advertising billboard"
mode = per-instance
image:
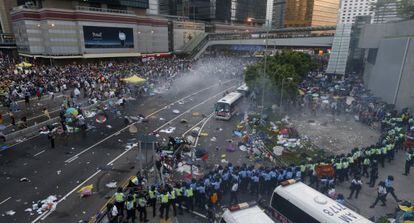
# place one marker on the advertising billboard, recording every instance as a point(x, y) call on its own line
point(108, 37)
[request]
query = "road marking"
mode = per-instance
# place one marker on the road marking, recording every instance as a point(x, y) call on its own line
point(46, 214)
point(153, 113)
point(73, 158)
point(39, 153)
point(201, 129)
point(208, 99)
point(192, 127)
point(5, 200)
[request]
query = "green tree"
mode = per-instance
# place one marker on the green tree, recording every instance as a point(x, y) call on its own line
point(287, 68)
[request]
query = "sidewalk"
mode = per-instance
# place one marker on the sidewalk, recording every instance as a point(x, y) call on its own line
point(403, 186)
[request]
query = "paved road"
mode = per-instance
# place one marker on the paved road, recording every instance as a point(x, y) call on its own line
point(84, 158)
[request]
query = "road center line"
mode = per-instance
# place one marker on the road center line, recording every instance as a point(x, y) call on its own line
point(46, 214)
point(5, 200)
point(159, 110)
point(39, 153)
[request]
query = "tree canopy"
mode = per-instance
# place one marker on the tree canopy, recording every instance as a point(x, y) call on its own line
point(287, 68)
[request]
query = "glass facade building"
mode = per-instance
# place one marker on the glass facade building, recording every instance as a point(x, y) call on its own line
point(216, 10)
point(299, 13)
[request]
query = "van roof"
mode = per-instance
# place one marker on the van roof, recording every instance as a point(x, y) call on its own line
point(248, 215)
point(317, 204)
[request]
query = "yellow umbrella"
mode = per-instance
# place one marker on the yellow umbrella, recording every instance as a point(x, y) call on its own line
point(134, 80)
point(24, 64)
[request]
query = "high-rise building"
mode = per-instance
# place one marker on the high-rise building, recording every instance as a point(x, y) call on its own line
point(227, 11)
point(278, 16)
point(350, 11)
point(300, 13)
point(5, 20)
point(386, 11)
point(269, 12)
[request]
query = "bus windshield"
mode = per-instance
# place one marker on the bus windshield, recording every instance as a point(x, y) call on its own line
point(222, 107)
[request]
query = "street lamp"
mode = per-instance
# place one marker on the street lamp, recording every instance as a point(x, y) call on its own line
point(281, 92)
point(265, 57)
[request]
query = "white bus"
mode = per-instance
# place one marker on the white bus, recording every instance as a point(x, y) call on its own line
point(245, 213)
point(225, 107)
point(244, 89)
point(296, 202)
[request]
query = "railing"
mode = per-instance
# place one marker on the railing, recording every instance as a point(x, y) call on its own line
point(7, 39)
point(93, 9)
point(239, 36)
point(199, 46)
point(194, 42)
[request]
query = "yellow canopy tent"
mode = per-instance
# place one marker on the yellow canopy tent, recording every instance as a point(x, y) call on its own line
point(134, 80)
point(24, 65)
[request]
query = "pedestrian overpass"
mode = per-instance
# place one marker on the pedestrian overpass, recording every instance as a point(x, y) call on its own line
point(302, 37)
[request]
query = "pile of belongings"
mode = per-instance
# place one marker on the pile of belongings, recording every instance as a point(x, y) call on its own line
point(47, 204)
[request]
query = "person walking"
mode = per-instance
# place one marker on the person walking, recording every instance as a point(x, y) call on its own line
point(356, 185)
point(164, 197)
point(152, 201)
point(233, 193)
point(120, 200)
point(130, 209)
point(189, 199)
point(381, 194)
point(51, 137)
point(112, 213)
point(373, 176)
point(389, 183)
point(173, 201)
point(12, 118)
point(409, 157)
point(46, 113)
point(141, 206)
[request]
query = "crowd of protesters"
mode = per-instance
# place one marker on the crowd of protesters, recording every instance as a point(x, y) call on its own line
point(223, 185)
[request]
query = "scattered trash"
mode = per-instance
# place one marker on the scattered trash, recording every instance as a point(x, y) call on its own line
point(168, 130)
point(186, 168)
point(89, 114)
point(278, 150)
point(195, 131)
point(28, 210)
point(237, 133)
point(195, 114)
point(183, 120)
point(162, 119)
point(109, 126)
point(58, 172)
point(10, 213)
point(111, 185)
point(181, 102)
point(86, 190)
point(213, 139)
point(176, 111)
point(100, 119)
point(243, 148)
point(204, 134)
point(24, 179)
point(133, 129)
point(130, 146)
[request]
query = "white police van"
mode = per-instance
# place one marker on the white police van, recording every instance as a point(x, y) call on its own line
point(296, 202)
point(245, 213)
